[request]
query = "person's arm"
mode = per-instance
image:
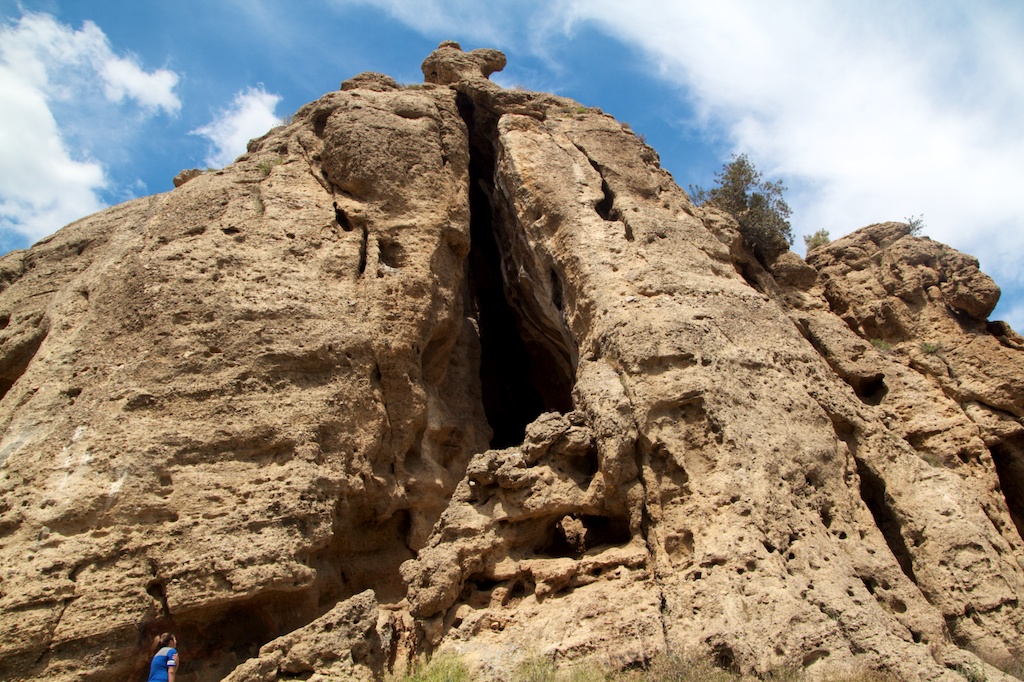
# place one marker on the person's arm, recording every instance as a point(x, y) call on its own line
point(172, 667)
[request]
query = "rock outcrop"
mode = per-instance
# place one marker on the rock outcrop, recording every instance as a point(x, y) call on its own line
point(456, 368)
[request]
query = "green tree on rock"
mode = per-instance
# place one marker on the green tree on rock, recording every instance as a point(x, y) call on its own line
point(757, 205)
point(819, 238)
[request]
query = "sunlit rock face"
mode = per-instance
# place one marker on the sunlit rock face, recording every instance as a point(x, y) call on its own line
point(456, 368)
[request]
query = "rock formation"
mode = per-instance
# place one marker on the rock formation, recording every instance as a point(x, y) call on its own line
point(450, 367)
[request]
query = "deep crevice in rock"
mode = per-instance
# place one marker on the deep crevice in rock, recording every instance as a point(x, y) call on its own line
point(870, 388)
point(524, 371)
point(362, 251)
point(342, 218)
point(606, 206)
point(1008, 457)
point(872, 491)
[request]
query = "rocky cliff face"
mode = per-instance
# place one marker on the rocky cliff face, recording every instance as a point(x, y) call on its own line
point(451, 367)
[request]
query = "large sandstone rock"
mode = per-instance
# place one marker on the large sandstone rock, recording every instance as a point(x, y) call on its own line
point(455, 368)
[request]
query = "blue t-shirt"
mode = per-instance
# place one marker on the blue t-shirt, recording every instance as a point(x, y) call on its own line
point(163, 660)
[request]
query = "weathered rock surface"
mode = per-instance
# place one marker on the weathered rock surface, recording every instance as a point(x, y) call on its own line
point(459, 368)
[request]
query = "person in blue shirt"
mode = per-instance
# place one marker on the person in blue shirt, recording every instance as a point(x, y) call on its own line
point(165, 658)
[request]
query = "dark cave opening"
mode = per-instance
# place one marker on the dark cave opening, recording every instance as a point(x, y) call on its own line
point(871, 389)
point(573, 536)
point(1008, 457)
point(221, 637)
point(5, 385)
point(20, 356)
point(520, 374)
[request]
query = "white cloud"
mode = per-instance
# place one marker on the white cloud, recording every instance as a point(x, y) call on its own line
point(44, 183)
point(124, 78)
point(872, 110)
point(63, 62)
point(41, 187)
point(250, 115)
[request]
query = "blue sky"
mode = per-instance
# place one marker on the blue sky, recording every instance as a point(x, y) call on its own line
point(868, 111)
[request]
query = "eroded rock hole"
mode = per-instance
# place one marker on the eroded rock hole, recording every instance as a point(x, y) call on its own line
point(1008, 457)
point(845, 430)
point(156, 590)
point(523, 372)
point(606, 206)
point(391, 252)
point(573, 536)
point(320, 123)
point(521, 588)
point(725, 658)
point(872, 491)
point(871, 390)
point(826, 516)
point(19, 357)
point(582, 468)
point(5, 385)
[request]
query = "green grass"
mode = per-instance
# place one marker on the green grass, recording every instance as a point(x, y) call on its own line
point(881, 344)
point(930, 348)
point(267, 165)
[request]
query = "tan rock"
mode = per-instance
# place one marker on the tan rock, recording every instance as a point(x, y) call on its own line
point(235, 382)
point(370, 80)
point(186, 175)
point(474, 351)
point(449, 64)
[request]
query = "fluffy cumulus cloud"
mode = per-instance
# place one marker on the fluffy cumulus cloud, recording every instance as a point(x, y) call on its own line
point(124, 79)
point(250, 115)
point(874, 110)
point(44, 182)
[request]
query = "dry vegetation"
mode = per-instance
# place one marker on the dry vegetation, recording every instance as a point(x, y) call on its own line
point(671, 668)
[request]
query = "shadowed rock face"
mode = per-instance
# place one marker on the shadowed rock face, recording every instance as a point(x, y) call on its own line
point(452, 367)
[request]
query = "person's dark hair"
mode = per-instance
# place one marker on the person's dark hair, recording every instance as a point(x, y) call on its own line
point(162, 640)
